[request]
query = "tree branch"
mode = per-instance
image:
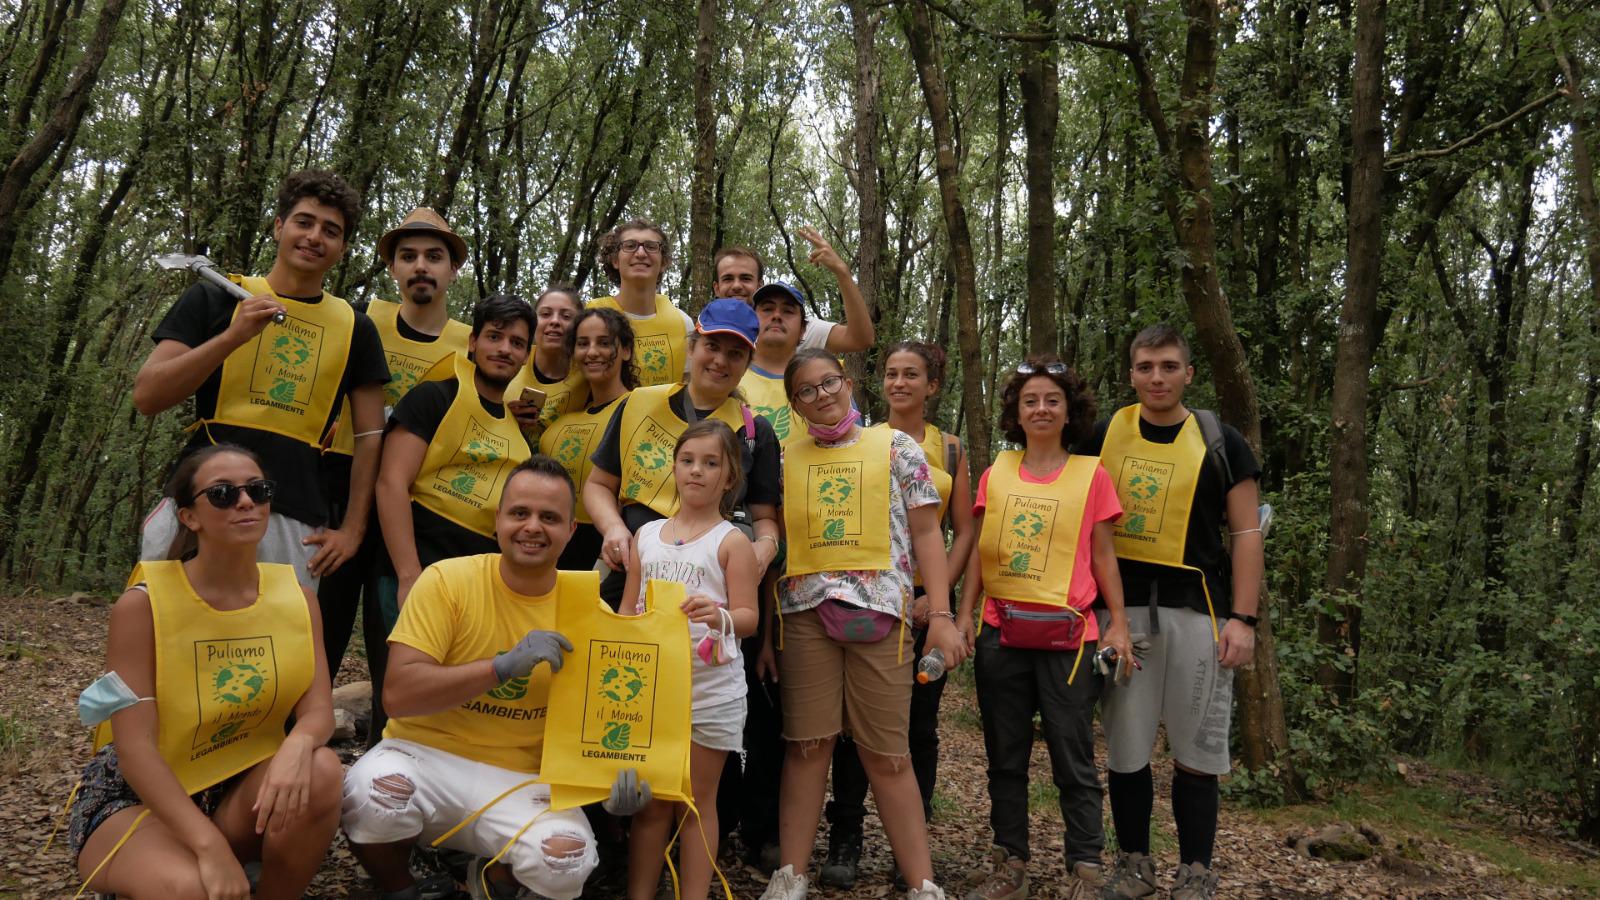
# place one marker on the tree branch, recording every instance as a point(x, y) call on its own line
point(1395, 162)
point(965, 23)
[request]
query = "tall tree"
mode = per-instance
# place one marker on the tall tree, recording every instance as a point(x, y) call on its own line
point(1041, 101)
point(701, 210)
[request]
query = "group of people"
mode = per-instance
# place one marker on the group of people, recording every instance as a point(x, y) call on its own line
point(448, 480)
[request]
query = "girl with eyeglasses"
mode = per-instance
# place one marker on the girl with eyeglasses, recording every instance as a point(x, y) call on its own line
point(861, 513)
point(209, 655)
point(1044, 553)
point(634, 255)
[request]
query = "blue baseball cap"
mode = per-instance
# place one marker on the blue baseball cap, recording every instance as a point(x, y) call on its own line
point(729, 315)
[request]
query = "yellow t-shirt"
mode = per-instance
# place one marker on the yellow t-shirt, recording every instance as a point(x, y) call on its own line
point(460, 610)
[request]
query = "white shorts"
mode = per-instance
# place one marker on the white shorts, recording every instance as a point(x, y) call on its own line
point(719, 725)
point(1181, 684)
point(444, 789)
point(283, 542)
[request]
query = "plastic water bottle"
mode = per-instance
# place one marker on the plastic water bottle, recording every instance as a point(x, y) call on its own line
point(931, 666)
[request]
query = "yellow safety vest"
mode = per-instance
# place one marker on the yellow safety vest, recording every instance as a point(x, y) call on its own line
point(572, 439)
point(836, 505)
point(409, 360)
point(650, 431)
point(570, 394)
point(285, 379)
point(660, 344)
point(622, 699)
point(1028, 546)
point(766, 399)
point(226, 680)
point(933, 447)
point(470, 455)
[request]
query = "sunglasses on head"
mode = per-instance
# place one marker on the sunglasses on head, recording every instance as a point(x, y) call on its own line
point(224, 496)
point(1055, 368)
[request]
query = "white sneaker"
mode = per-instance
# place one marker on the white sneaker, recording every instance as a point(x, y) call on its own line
point(928, 891)
point(786, 885)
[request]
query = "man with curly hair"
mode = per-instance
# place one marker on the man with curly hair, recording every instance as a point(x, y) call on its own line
point(1181, 477)
point(276, 387)
point(634, 255)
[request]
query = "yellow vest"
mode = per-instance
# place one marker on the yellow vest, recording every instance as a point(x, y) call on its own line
point(466, 599)
point(572, 439)
point(1028, 546)
point(408, 361)
point(1156, 484)
point(226, 681)
point(836, 505)
point(622, 699)
point(650, 431)
point(767, 400)
point(469, 457)
point(570, 394)
point(285, 379)
point(932, 445)
point(660, 344)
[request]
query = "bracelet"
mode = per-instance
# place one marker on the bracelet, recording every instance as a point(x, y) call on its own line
point(1256, 530)
point(362, 434)
point(942, 612)
point(768, 537)
point(1250, 620)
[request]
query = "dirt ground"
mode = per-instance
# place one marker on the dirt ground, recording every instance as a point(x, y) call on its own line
point(51, 647)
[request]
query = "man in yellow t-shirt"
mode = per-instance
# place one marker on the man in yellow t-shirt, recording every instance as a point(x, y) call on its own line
point(468, 711)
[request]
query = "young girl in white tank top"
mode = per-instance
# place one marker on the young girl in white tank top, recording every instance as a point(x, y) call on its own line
point(699, 548)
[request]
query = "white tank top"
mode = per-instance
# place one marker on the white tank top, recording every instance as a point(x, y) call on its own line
point(694, 565)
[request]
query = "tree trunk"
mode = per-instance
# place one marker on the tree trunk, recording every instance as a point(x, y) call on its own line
point(705, 157)
point(67, 111)
point(930, 73)
point(1041, 102)
point(1347, 464)
point(871, 220)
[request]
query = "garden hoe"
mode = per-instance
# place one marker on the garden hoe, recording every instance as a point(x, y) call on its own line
point(207, 269)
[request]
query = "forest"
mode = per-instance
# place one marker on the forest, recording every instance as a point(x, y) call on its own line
point(1377, 222)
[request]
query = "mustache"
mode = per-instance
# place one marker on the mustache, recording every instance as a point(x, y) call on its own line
point(422, 279)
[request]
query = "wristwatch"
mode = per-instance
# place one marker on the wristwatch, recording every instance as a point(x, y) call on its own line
point(1248, 620)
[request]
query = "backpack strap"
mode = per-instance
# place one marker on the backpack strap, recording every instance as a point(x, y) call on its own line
point(952, 456)
point(749, 428)
point(1216, 452)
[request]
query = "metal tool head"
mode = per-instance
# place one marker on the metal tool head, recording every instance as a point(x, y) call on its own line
point(184, 261)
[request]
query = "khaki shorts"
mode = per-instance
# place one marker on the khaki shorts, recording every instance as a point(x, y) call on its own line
point(832, 686)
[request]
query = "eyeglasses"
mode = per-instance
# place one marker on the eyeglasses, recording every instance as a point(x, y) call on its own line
point(651, 247)
point(224, 496)
point(1055, 368)
point(826, 387)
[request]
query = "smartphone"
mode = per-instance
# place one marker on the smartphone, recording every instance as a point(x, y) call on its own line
point(533, 395)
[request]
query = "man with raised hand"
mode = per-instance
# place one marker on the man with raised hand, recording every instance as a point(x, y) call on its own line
point(1182, 478)
point(468, 686)
point(423, 257)
point(740, 273)
point(634, 255)
point(276, 387)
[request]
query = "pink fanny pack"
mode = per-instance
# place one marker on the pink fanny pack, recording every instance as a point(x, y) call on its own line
point(852, 624)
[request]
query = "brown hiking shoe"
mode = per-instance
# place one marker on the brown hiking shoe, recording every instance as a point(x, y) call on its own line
point(1134, 876)
point(1194, 882)
point(1085, 881)
point(1007, 879)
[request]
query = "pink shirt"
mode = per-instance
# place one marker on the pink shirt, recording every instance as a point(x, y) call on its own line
point(1101, 506)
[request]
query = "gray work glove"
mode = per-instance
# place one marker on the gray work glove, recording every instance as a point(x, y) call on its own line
point(537, 647)
point(629, 794)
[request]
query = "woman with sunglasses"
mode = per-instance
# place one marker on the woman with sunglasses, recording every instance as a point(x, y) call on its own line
point(634, 255)
point(204, 778)
point(1044, 553)
point(861, 514)
point(600, 344)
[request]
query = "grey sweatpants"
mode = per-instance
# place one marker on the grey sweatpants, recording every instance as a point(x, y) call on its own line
point(1181, 684)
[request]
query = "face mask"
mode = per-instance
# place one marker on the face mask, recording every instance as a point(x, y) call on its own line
point(836, 432)
point(107, 695)
point(718, 647)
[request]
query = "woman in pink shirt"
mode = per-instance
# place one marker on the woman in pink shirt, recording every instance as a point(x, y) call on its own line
point(1044, 553)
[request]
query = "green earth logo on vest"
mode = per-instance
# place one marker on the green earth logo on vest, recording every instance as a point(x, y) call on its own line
point(225, 732)
point(1027, 525)
point(618, 736)
point(833, 530)
point(834, 491)
point(777, 416)
point(654, 361)
point(512, 689)
point(480, 452)
point(401, 381)
point(463, 483)
point(621, 683)
point(651, 456)
point(1020, 562)
point(292, 352)
point(1144, 487)
point(568, 451)
point(1135, 524)
point(238, 684)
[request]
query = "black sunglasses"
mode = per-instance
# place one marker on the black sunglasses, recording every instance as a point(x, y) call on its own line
point(224, 496)
point(1055, 368)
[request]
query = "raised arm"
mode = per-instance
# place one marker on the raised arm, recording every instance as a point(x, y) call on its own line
point(856, 332)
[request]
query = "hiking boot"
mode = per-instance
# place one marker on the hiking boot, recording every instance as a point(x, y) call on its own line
point(497, 890)
point(1007, 879)
point(928, 891)
point(1134, 876)
point(1194, 882)
point(1085, 881)
point(844, 856)
point(785, 885)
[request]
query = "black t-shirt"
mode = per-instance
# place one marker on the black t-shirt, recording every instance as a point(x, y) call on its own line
point(763, 470)
point(1203, 549)
point(420, 411)
point(203, 312)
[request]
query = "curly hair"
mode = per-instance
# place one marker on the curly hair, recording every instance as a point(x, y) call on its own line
point(933, 358)
point(611, 243)
point(621, 331)
point(1080, 401)
point(324, 187)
